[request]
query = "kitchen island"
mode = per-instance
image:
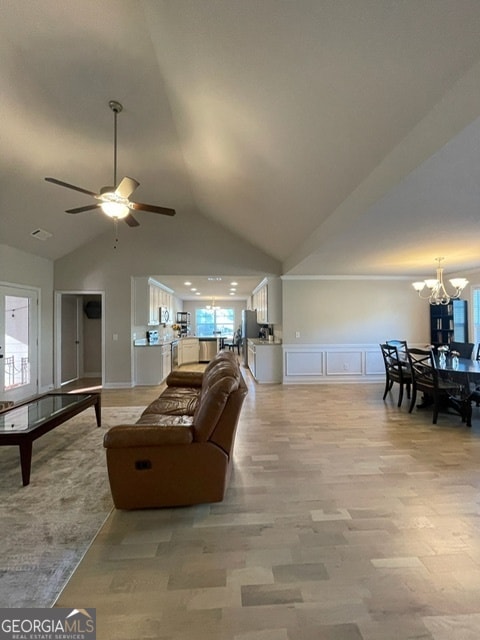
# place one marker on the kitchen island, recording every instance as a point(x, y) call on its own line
point(153, 362)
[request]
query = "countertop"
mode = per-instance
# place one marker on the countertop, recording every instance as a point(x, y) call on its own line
point(142, 342)
point(264, 343)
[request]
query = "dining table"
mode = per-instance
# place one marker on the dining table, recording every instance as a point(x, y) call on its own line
point(465, 373)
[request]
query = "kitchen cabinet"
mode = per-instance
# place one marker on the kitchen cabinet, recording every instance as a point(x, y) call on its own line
point(148, 365)
point(267, 300)
point(149, 296)
point(166, 360)
point(265, 361)
point(188, 350)
point(158, 297)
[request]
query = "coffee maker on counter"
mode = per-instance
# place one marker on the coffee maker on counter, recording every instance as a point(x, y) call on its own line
point(266, 332)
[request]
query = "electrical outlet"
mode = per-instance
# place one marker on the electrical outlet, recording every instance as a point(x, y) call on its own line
point(297, 334)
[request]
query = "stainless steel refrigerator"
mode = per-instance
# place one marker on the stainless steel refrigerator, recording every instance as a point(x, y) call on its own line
point(250, 329)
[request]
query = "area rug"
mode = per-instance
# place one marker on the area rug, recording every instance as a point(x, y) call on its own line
point(47, 526)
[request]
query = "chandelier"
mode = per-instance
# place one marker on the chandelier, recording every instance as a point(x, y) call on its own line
point(212, 306)
point(437, 293)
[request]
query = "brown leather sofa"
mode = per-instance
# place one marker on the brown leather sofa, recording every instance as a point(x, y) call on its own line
point(180, 450)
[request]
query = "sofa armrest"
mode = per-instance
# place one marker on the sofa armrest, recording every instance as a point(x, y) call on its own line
point(126, 436)
point(178, 378)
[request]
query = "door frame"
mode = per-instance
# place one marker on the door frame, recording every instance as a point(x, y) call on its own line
point(35, 374)
point(57, 331)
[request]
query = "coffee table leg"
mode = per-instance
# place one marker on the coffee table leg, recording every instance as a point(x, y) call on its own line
point(26, 461)
point(98, 411)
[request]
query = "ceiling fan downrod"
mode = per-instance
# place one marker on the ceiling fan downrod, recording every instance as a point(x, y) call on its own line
point(116, 107)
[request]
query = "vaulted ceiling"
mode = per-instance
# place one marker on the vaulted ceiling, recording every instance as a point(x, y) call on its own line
point(341, 137)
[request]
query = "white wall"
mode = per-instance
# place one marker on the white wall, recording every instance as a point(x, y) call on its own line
point(20, 268)
point(353, 311)
point(340, 323)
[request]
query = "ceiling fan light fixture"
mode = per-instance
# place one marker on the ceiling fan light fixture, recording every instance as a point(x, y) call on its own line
point(113, 205)
point(115, 209)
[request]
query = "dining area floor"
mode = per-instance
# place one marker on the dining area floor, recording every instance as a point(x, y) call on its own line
point(347, 518)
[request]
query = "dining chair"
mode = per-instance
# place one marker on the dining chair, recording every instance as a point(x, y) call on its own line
point(400, 344)
point(235, 343)
point(464, 349)
point(425, 378)
point(396, 370)
point(475, 395)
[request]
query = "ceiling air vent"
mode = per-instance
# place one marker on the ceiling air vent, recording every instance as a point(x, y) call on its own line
point(41, 234)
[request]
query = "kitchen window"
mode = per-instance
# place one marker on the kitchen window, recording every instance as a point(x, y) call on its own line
point(211, 322)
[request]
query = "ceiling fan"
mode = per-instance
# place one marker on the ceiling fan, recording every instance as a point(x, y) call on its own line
point(115, 201)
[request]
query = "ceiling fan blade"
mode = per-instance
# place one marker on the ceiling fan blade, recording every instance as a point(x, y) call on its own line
point(126, 187)
point(70, 186)
point(138, 206)
point(131, 221)
point(88, 207)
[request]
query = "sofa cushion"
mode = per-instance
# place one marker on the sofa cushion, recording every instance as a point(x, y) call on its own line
point(219, 382)
point(175, 401)
point(179, 378)
point(162, 419)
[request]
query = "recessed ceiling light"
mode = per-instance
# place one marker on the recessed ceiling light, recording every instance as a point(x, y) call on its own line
point(234, 284)
point(187, 284)
point(193, 289)
point(198, 293)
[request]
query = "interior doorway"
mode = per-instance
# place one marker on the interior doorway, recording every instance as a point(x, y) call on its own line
point(79, 337)
point(18, 342)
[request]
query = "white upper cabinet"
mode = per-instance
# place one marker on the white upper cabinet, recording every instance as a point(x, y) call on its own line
point(267, 300)
point(149, 296)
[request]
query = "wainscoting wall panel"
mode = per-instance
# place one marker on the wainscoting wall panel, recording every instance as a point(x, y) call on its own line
point(332, 363)
point(340, 363)
point(303, 363)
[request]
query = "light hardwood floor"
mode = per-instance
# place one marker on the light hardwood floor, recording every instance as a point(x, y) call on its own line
point(346, 519)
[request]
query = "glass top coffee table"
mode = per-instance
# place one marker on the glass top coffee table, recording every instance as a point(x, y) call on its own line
point(25, 422)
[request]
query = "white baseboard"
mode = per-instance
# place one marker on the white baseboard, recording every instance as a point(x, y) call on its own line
point(118, 385)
